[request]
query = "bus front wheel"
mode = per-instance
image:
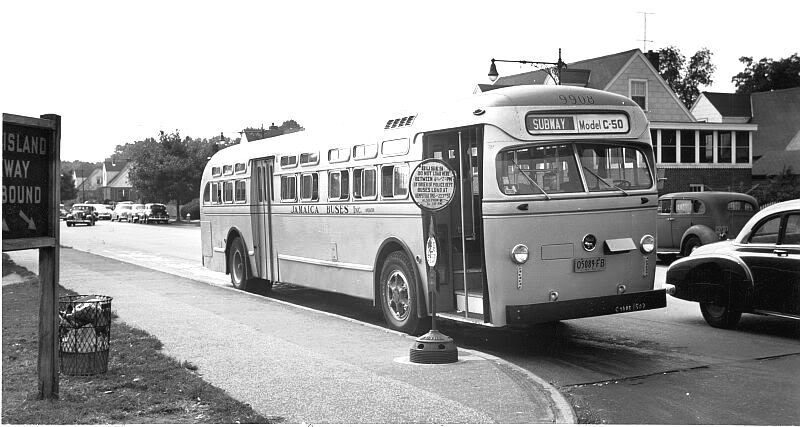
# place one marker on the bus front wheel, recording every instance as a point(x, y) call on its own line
point(238, 264)
point(398, 294)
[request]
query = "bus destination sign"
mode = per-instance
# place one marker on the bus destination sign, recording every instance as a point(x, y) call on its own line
point(432, 185)
point(27, 155)
point(538, 124)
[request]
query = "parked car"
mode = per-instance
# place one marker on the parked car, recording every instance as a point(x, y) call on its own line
point(122, 212)
point(155, 212)
point(81, 213)
point(757, 272)
point(137, 212)
point(689, 220)
point(103, 211)
point(62, 212)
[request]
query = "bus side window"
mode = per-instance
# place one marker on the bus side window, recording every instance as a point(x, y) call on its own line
point(240, 195)
point(216, 193)
point(364, 183)
point(394, 181)
point(227, 192)
point(338, 185)
point(309, 187)
point(288, 188)
point(207, 194)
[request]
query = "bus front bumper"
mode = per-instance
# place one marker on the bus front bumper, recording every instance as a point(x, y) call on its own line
point(520, 315)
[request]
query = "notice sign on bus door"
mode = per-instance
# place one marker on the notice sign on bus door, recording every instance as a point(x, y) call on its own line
point(27, 156)
point(432, 185)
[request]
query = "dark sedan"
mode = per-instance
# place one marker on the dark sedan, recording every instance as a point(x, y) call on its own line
point(757, 272)
point(81, 214)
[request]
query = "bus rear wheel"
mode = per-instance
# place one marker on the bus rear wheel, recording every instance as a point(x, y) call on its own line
point(398, 295)
point(238, 264)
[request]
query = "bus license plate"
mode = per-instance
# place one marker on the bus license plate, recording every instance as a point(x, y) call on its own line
point(586, 265)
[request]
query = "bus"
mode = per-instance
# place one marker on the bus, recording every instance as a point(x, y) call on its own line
point(554, 216)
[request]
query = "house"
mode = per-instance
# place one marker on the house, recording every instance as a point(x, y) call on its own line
point(116, 185)
point(87, 183)
point(691, 155)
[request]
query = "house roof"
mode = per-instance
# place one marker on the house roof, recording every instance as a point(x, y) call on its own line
point(115, 166)
point(777, 114)
point(600, 71)
point(120, 179)
point(775, 162)
point(730, 104)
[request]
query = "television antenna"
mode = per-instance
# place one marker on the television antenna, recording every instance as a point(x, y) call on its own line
point(644, 39)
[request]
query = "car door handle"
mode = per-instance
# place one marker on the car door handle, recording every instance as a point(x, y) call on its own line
point(780, 252)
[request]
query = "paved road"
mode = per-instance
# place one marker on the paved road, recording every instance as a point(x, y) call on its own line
point(661, 366)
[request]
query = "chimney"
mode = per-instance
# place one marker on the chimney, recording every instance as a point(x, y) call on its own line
point(653, 58)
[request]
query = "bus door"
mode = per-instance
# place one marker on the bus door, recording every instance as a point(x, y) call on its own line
point(261, 211)
point(461, 272)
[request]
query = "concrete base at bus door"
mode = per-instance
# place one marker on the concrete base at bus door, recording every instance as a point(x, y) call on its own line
point(433, 348)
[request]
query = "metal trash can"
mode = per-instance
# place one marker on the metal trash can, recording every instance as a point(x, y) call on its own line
point(84, 333)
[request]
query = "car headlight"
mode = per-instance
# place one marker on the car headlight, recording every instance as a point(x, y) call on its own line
point(647, 244)
point(519, 254)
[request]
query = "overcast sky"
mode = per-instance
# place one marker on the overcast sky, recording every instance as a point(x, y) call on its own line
point(119, 72)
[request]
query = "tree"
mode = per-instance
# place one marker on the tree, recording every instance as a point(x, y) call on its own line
point(684, 79)
point(170, 168)
point(784, 186)
point(766, 74)
point(68, 190)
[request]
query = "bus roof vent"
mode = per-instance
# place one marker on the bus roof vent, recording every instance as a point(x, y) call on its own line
point(400, 122)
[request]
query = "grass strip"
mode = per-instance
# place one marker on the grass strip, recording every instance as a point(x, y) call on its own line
point(141, 386)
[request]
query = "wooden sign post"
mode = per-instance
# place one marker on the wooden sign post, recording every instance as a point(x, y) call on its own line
point(31, 201)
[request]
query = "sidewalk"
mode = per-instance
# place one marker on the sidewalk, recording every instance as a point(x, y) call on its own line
point(304, 365)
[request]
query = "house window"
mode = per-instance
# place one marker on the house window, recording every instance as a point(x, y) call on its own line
point(669, 146)
point(309, 187)
point(687, 146)
point(725, 150)
point(706, 146)
point(697, 187)
point(638, 90)
point(742, 147)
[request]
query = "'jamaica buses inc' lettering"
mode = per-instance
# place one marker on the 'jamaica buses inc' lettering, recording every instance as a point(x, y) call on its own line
point(327, 209)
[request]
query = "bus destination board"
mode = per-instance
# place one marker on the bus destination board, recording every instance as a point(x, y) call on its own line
point(27, 153)
point(540, 124)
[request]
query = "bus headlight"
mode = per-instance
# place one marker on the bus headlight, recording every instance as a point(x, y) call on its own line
point(647, 244)
point(519, 254)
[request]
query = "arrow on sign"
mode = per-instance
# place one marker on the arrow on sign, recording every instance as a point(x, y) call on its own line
point(5, 226)
point(31, 224)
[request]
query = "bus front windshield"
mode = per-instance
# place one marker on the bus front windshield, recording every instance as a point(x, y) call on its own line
point(559, 168)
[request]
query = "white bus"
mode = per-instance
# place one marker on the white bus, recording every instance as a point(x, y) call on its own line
point(554, 215)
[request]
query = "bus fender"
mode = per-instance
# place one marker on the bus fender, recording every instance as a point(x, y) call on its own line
point(703, 232)
point(232, 234)
point(702, 277)
point(393, 244)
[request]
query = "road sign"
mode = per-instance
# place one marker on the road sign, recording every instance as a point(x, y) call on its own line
point(433, 185)
point(29, 145)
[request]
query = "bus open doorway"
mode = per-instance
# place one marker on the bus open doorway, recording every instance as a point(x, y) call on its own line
point(462, 280)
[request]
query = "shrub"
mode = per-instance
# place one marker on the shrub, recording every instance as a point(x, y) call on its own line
point(192, 208)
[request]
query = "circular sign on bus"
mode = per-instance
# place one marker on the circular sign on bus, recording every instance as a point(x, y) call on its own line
point(433, 185)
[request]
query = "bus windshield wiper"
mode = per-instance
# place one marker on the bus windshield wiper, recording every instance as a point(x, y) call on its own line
point(601, 179)
point(532, 181)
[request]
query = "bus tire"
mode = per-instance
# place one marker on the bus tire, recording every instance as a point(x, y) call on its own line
point(238, 264)
point(398, 294)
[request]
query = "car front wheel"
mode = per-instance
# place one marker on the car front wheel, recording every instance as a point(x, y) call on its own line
point(720, 316)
